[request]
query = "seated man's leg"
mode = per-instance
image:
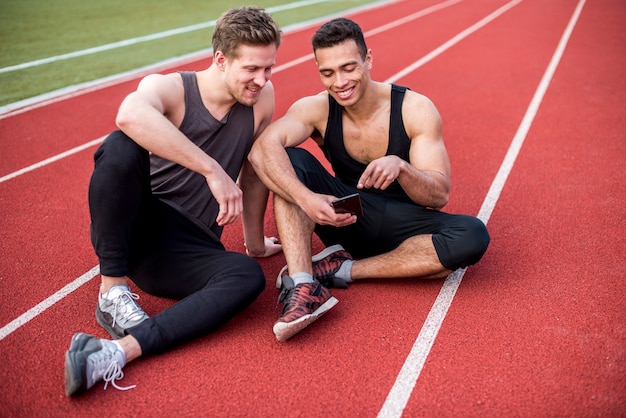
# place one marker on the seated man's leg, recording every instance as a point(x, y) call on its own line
point(397, 239)
point(119, 196)
point(184, 263)
point(410, 241)
point(212, 284)
point(304, 298)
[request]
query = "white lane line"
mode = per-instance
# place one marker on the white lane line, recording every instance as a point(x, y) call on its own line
point(42, 306)
point(453, 41)
point(31, 103)
point(52, 159)
point(407, 378)
point(146, 38)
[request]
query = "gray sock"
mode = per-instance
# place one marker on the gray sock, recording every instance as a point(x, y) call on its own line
point(301, 277)
point(344, 271)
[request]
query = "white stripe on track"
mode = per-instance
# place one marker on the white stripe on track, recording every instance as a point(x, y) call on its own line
point(407, 378)
point(51, 159)
point(110, 81)
point(42, 306)
point(45, 99)
point(146, 38)
point(453, 41)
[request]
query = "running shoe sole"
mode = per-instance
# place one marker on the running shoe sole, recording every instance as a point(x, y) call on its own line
point(286, 330)
point(75, 365)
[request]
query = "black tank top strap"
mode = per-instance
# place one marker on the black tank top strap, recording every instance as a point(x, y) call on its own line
point(398, 139)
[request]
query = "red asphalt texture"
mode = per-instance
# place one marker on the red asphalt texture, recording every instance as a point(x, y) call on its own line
point(537, 327)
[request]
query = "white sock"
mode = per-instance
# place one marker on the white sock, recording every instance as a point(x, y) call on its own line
point(301, 277)
point(344, 271)
point(120, 355)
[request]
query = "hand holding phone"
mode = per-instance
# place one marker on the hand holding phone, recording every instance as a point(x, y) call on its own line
point(348, 204)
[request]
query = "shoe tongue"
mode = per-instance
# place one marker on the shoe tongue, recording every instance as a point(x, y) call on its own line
point(287, 282)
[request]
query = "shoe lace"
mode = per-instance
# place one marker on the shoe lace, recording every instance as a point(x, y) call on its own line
point(112, 373)
point(285, 296)
point(110, 358)
point(125, 304)
point(289, 295)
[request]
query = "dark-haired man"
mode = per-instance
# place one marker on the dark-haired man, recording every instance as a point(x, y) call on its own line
point(384, 142)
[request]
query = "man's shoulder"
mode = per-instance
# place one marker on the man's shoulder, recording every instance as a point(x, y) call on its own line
point(311, 111)
point(312, 104)
point(416, 97)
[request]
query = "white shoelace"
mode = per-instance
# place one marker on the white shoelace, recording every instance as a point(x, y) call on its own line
point(135, 309)
point(112, 373)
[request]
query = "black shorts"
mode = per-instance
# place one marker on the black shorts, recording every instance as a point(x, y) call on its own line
point(460, 240)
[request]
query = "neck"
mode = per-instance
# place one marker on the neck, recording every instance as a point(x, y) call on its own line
point(214, 93)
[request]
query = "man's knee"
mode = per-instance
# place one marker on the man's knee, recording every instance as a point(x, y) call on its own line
point(249, 275)
point(462, 245)
point(304, 163)
point(477, 240)
point(119, 153)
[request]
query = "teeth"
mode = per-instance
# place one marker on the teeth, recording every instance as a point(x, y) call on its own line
point(344, 93)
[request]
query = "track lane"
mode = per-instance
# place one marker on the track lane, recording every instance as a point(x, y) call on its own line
point(344, 354)
point(550, 335)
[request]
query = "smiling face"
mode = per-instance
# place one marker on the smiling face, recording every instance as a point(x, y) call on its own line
point(247, 72)
point(344, 73)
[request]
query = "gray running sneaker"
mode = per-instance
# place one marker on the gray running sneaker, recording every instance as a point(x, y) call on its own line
point(91, 359)
point(117, 310)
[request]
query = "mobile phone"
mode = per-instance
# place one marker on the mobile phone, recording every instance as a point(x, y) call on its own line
point(349, 204)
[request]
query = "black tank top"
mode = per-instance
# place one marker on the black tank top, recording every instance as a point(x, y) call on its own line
point(347, 169)
point(227, 141)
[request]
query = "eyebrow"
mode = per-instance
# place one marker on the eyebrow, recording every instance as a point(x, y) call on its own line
point(347, 64)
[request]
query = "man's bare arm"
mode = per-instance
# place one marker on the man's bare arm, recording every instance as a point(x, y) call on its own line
point(426, 179)
point(146, 116)
point(255, 193)
point(272, 164)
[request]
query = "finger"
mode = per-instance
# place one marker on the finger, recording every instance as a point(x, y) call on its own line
point(365, 177)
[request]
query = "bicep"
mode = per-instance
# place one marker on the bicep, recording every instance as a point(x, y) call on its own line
point(294, 127)
point(264, 110)
point(427, 151)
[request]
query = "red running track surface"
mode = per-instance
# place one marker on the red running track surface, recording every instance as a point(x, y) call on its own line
point(537, 328)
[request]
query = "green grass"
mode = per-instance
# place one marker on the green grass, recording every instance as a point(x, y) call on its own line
point(35, 29)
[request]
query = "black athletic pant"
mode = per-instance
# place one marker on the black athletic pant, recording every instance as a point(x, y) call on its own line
point(460, 240)
point(165, 252)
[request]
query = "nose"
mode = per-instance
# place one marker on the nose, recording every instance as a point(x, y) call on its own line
point(340, 80)
point(262, 77)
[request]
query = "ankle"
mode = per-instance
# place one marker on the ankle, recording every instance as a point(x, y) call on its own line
point(301, 278)
point(108, 282)
point(130, 346)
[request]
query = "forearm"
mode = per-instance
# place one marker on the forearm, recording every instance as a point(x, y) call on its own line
point(425, 187)
point(255, 197)
point(157, 134)
point(274, 168)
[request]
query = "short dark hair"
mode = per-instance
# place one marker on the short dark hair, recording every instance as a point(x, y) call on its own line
point(338, 31)
point(247, 25)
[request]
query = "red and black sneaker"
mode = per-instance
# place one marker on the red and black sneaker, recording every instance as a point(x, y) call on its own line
point(325, 265)
point(302, 305)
